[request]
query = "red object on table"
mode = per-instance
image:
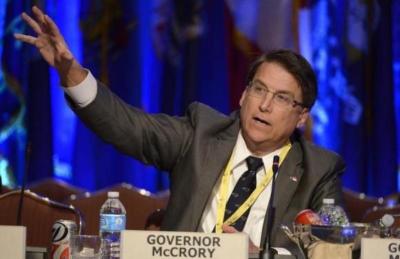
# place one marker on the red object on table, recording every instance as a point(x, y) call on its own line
point(308, 217)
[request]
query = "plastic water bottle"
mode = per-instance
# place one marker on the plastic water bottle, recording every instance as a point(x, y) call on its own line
point(332, 215)
point(112, 222)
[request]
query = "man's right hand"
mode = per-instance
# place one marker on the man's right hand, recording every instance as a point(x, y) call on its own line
point(52, 47)
point(253, 249)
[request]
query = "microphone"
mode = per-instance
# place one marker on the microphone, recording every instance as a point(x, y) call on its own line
point(385, 224)
point(275, 165)
point(387, 220)
point(21, 197)
point(267, 252)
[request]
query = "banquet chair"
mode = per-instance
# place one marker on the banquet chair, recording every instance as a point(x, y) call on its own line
point(55, 189)
point(392, 199)
point(38, 215)
point(4, 189)
point(139, 204)
point(357, 204)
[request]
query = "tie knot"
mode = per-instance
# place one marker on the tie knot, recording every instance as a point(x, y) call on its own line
point(254, 163)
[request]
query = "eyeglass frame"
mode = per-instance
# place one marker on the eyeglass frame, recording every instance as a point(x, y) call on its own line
point(291, 102)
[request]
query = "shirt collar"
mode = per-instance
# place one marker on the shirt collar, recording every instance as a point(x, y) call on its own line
point(242, 152)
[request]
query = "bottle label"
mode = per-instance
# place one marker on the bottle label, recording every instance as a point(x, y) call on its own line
point(112, 222)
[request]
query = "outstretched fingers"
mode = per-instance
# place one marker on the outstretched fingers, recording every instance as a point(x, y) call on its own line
point(25, 38)
point(38, 14)
point(32, 23)
point(52, 27)
point(42, 24)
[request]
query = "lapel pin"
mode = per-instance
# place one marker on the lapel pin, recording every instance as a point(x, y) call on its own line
point(293, 178)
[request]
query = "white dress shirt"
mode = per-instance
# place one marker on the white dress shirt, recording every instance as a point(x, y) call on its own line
point(255, 219)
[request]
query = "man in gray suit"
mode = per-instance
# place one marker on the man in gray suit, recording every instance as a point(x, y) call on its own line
point(209, 154)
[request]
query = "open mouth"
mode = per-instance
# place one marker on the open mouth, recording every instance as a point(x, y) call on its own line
point(259, 120)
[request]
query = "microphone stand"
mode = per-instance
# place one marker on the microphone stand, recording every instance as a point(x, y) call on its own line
point(267, 252)
point(21, 197)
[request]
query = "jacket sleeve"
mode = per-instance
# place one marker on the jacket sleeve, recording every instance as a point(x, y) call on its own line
point(157, 139)
point(330, 185)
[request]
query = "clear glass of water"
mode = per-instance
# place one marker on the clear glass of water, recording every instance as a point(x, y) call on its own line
point(86, 247)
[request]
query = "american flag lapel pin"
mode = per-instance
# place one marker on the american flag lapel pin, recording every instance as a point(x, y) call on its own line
point(293, 178)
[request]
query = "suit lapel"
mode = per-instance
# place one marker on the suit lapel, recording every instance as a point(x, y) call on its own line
point(288, 178)
point(217, 154)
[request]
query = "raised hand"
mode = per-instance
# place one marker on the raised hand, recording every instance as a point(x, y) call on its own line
point(52, 47)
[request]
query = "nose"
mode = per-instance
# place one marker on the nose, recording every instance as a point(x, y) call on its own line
point(266, 103)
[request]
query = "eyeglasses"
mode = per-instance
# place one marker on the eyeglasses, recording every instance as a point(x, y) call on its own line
point(280, 99)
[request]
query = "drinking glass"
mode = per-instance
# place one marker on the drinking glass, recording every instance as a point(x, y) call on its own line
point(86, 247)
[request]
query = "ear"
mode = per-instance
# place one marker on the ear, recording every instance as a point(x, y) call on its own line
point(303, 118)
point(243, 97)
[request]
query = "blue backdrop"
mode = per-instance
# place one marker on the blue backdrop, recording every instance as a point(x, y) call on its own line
point(161, 55)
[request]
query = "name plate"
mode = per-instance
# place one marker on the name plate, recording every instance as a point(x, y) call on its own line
point(12, 242)
point(373, 248)
point(181, 245)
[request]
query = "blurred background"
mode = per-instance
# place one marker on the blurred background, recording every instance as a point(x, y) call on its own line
point(161, 55)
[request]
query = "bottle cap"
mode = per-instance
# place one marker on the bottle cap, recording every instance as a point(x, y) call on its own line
point(328, 201)
point(113, 194)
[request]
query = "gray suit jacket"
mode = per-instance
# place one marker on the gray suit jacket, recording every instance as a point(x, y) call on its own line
point(196, 147)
